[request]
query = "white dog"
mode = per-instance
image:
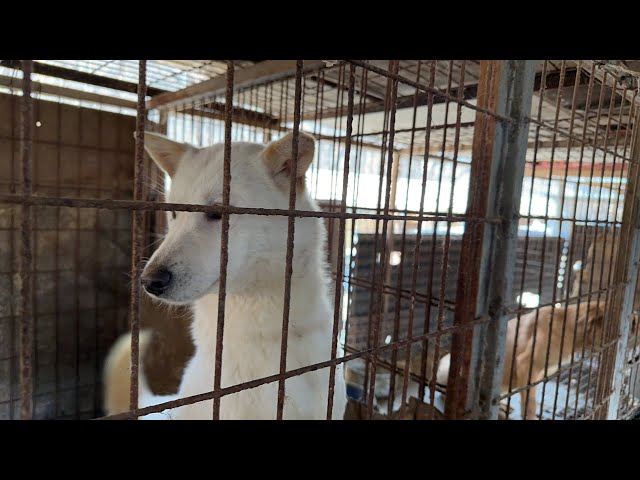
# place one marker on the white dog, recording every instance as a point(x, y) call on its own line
point(186, 270)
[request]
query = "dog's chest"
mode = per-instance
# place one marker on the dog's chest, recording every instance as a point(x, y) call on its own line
point(251, 351)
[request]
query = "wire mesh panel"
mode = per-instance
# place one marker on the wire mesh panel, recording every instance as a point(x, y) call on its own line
point(79, 257)
point(578, 174)
point(463, 223)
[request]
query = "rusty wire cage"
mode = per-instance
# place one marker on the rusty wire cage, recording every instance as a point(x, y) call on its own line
point(481, 220)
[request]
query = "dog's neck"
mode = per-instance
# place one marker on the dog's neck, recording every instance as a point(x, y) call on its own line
point(254, 302)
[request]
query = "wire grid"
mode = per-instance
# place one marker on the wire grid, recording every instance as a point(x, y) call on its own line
point(408, 299)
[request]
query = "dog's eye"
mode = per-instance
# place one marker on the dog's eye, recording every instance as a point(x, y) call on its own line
point(173, 215)
point(213, 216)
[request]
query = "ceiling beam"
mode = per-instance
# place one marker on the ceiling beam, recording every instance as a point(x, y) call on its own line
point(408, 101)
point(258, 74)
point(38, 87)
point(241, 114)
point(82, 77)
point(551, 81)
point(600, 72)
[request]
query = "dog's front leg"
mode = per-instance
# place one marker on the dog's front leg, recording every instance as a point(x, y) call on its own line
point(528, 403)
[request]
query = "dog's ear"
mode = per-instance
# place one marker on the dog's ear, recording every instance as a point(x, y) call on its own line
point(165, 152)
point(278, 157)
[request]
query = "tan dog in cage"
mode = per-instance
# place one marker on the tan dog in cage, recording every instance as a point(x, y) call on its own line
point(186, 270)
point(583, 323)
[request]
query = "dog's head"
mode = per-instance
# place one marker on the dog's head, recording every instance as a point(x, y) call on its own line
point(186, 266)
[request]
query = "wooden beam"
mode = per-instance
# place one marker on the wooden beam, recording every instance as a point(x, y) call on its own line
point(238, 116)
point(611, 81)
point(408, 101)
point(242, 114)
point(82, 77)
point(38, 87)
point(257, 74)
point(373, 96)
point(551, 81)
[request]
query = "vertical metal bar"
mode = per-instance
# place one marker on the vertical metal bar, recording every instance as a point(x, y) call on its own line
point(526, 247)
point(604, 258)
point(583, 253)
point(34, 264)
point(80, 192)
point(571, 250)
point(447, 239)
point(137, 233)
point(56, 259)
point(444, 254)
point(570, 221)
point(354, 226)
point(224, 234)
point(293, 172)
point(381, 315)
point(26, 267)
point(389, 240)
point(100, 268)
point(557, 107)
point(372, 325)
point(416, 256)
point(506, 88)
point(340, 246)
point(627, 264)
point(426, 326)
point(14, 308)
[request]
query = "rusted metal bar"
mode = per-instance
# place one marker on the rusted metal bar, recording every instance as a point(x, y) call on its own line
point(290, 237)
point(341, 239)
point(380, 314)
point(224, 236)
point(186, 207)
point(488, 253)
point(26, 260)
point(137, 237)
point(138, 412)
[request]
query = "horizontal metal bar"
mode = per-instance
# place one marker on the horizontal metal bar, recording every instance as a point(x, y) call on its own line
point(110, 204)
point(274, 378)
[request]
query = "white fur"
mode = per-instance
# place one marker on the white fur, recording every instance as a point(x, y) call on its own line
point(255, 291)
point(442, 376)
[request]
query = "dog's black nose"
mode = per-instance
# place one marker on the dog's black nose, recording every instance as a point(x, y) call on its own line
point(156, 282)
